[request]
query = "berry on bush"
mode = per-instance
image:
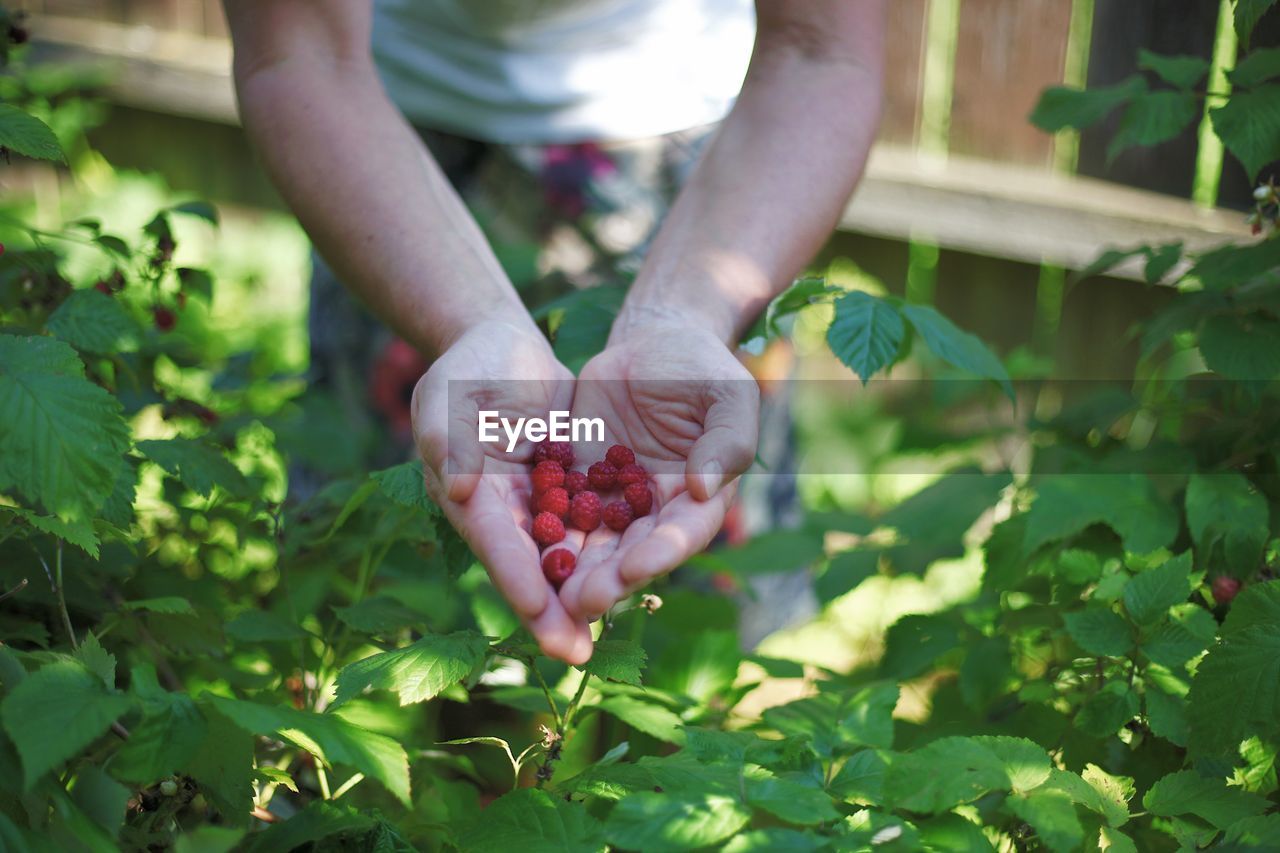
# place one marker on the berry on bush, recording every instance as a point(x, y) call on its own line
point(639, 498)
point(164, 317)
point(629, 475)
point(620, 456)
point(548, 529)
point(547, 475)
point(556, 451)
point(575, 481)
point(557, 566)
point(617, 516)
point(602, 476)
point(554, 500)
point(584, 511)
point(1225, 589)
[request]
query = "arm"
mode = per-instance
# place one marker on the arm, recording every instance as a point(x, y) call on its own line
point(778, 173)
point(357, 176)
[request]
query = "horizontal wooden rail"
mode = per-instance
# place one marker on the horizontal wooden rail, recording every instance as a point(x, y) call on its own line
point(1001, 209)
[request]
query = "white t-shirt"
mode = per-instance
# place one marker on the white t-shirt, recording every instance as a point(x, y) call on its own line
point(543, 71)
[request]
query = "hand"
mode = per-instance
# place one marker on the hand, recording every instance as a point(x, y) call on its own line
point(484, 491)
point(676, 395)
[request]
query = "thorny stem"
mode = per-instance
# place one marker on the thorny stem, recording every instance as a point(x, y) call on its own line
point(564, 724)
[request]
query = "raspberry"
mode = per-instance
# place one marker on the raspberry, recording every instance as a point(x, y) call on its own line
point(620, 456)
point(1225, 589)
point(575, 481)
point(548, 529)
point(164, 318)
point(631, 474)
point(546, 475)
point(639, 498)
point(602, 476)
point(556, 451)
point(103, 287)
point(557, 566)
point(554, 500)
point(584, 511)
point(617, 516)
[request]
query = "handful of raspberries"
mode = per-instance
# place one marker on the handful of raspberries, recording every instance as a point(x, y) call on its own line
point(562, 495)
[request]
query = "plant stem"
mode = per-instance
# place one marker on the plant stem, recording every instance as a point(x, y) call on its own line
point(546, 691)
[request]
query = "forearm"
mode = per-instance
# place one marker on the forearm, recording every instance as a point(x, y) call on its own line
point(373, 200)
point(768, 192)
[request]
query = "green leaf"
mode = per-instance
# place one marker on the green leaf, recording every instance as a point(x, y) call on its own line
point(531, 821)
point(942, 775)
point(616, 660)
point(63, 436)
point(839, 723)
point(404, 484)
point(1153, 118)
point(196, 283)
point(957, 347)
point(97, 660)
point(261, 626)
point(1187, 793)
point(786, 799)
point(799, 295)
point(1128, 503)
point(1148, 595)
point(1053, 816)
point(775, 840)
point(327, 736)
point(1166, 715)
point(1261, 832)
point(79, 532)
point(1257, 604)
point(1258, 66)
point(101, 798)
point(986, 671)
point(914, 642)
point(320, 820)
point(222, 764)
point(1114, 793)
point(651, 719)
point(1241, 347)
point(1232, 265)
point(1061, 107)
point(172, 604)
point(417, 672)
point(1226, 507)
point(1189, 631)
point(199, 209)
point(845, 572)
point(584, 326)
point(861, 778)
point(171, 731)
point(1248, 13)
point(951, 833)
point(1103, 713)
point(934, 520)
point(866, 333)
point(773, 551)
point(1160, 261)
point(1183, 72)
point(94, 322)
point(378, 615)
point(1249, 125)
point(27, 135)
point(1233, 694)
point(648, 820)
point(199, 465)
point(55, 713)
point(1100, 631)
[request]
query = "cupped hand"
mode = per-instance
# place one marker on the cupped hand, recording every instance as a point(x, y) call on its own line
point(484, 491)
point(676, 395)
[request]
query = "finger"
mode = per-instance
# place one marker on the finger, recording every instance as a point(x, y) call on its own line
point(727, 446)
point(560, 636)
point(436, 418)
point(685, 526)
point(604, 586)
point(493, 528)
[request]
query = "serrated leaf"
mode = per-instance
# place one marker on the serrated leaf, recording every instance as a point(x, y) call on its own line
point(1148, 595)
point(199, 465)
point(1188, 793)
point(1257, 604)
point(914, 642)
point(1225, 506)
point(62, 435)
point(616, 660)
point(97, 660)
point(532, 821)
point(79, 532)
point(651, 719)
point(786, 799)
point(1053, 816)
point(957, 347)
point(171, 731)
point(799, 295)
point(1104, 712)
point(405, 485)
point(861, 777)
point(1061, 107)
point(262, 626)
point(1152, 118)
point(1261, 832)
point(1249, 125)
point(1256, 67)
point(1166, 715)
point(1160, 261)
point(775, 840)
point(102, 799)
point(1247, 15)
point(327, 736)
point(649, 821)
point(319, 821)
point(839, 723)
point(417, 672)
point(1234, 693)
point(1128, 503)
point(94, 322)
point(1100, 631)
point(378, 615)
point(1181, 71)
point(865, 333)
point(1241, 348)
point(943, 774)
point(23, 133)
point(1231, 265)
point(1187, 632)
point(55, 712)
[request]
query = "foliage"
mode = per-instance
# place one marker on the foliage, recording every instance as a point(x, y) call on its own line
point(198, 655)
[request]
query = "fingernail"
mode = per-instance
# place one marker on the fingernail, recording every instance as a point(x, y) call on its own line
point(711, 477)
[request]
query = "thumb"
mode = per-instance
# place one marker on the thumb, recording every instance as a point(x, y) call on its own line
point(445, 432)
point(727, 446)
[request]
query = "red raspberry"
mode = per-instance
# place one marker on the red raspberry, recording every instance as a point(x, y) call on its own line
point(602, 476)
point(547, 529)
point(556, 451)
point(103, 287)
point(620, 456)
point(617, 516)
point(631, 474)
point(547, 475)
point(639, 498)
point(554, 500)
point(584, 511)
point(575, 481)
point(164, 318)
point(1225, 589)
point(557, 566)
